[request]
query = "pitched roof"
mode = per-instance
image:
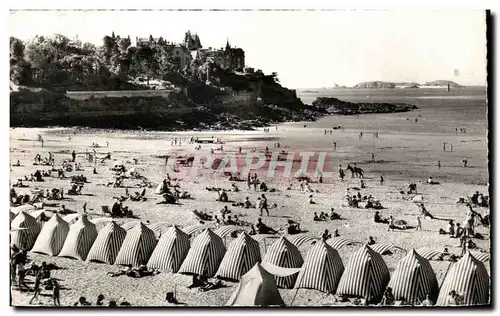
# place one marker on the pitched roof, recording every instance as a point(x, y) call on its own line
point(24, 231)
point(242, 254)
point(107, 243)
point(283, 253)
point(137, 246)
point(170, 251)
point(81, 236)
point(51, 239)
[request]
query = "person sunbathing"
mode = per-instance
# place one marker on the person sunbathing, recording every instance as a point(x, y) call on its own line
point(377, 218)
point(222, 196)
point(230, 221)
point(20, 184)
point(264, 229)
point(75, 189)
point(293, 228)
point(431, 181)
point(334, 215)
point(326, 235)
point(65, 211)
point(311, 200)
point(371, 241)
point(323, 216)
point(17, 164)
point(316, 218)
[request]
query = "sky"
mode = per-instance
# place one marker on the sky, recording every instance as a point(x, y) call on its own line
point(308, 49)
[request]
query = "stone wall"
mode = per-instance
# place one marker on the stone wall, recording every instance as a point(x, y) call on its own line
point(85, 95)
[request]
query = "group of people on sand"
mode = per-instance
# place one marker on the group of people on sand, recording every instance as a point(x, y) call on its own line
point(21, 267)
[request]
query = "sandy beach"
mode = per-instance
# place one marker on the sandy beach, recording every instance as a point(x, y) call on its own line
point(405, 151)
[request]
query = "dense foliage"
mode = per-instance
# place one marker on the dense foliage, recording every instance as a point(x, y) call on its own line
point(59, 64)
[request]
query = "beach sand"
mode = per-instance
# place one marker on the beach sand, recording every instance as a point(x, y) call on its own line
point(407, 151)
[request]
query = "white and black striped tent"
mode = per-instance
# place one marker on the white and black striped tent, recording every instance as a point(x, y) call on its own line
point(170, 251)
point(107, 244)
point(137, 246)
point(283, 253)
point(322, 269)
point(205, 255)
point(24, 231)
point(81, 236)
point(413, 279)
point(468, 278)
point(51, 239)
point(256, 288)
point(366, 275)
point(242, 254)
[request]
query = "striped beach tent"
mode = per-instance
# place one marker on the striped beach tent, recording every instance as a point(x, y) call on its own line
point(24, 231)
point(338, 242)
point(228, 229)
point(366, 275)
point(41, 216)
point(242, 254)
point(322, 269)
point(256, 288)
point(190, 230)
point(130, 225)
point(159, 228)
point(261, 237)
point(205, 255)
point(413, 279)
point(81, 236)
point(107, 244)
point(28, 208)
point(300, 239)
point(51, 239)
point(170, 251)
point(283, 253)
point(469, 278)
point(72, 218)
point(481, 256)
point(137, 246)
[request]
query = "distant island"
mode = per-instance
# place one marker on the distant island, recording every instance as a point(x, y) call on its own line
point(336, 106)
point(406, 85)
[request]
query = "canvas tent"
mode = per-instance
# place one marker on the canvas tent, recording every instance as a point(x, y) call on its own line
point(170, 251)
point(242, 254)
point(256, 288)
point(205, 255)
point(51, 239)
point(366, 275)
point(283, 253)
point(107, 244)
point(137, 246)
point(469, 278)
point(322, 269)
point(81, 236)
point(413, 279)
point(24, 231)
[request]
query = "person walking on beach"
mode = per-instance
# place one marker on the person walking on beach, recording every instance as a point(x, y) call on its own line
point(381, 179)
point(451, 147)
point(419, 223)
point(263, 205)
point(73, 156)
point(36, 288)
point(56, 293)
point(439, 164)
point(444, 146)
point(334, 145)
point(341, 173)
point(465, 162)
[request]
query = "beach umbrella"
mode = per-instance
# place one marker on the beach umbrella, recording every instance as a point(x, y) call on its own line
point(256, 288)
point(468, 278)
point(413, 279)
point(170, 251)
point(366, 275)
point(284, 254)
point(322, 269)
point(242, 254)
point(51, 239)
point(25, 230)
point(107, 244)
point(81, 236)
point(137, 246)
point(205, 255)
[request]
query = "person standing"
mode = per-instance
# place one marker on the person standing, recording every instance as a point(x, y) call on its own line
point(419, 223)
point(381, 179)
point(465, 162)
point(334, 146)
point(56, 293)
point(73, 156)
point(439, 164)
point(36, 287)
point(451, 147)
point(264, 205)
point(444, 146)
point(391, 224)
